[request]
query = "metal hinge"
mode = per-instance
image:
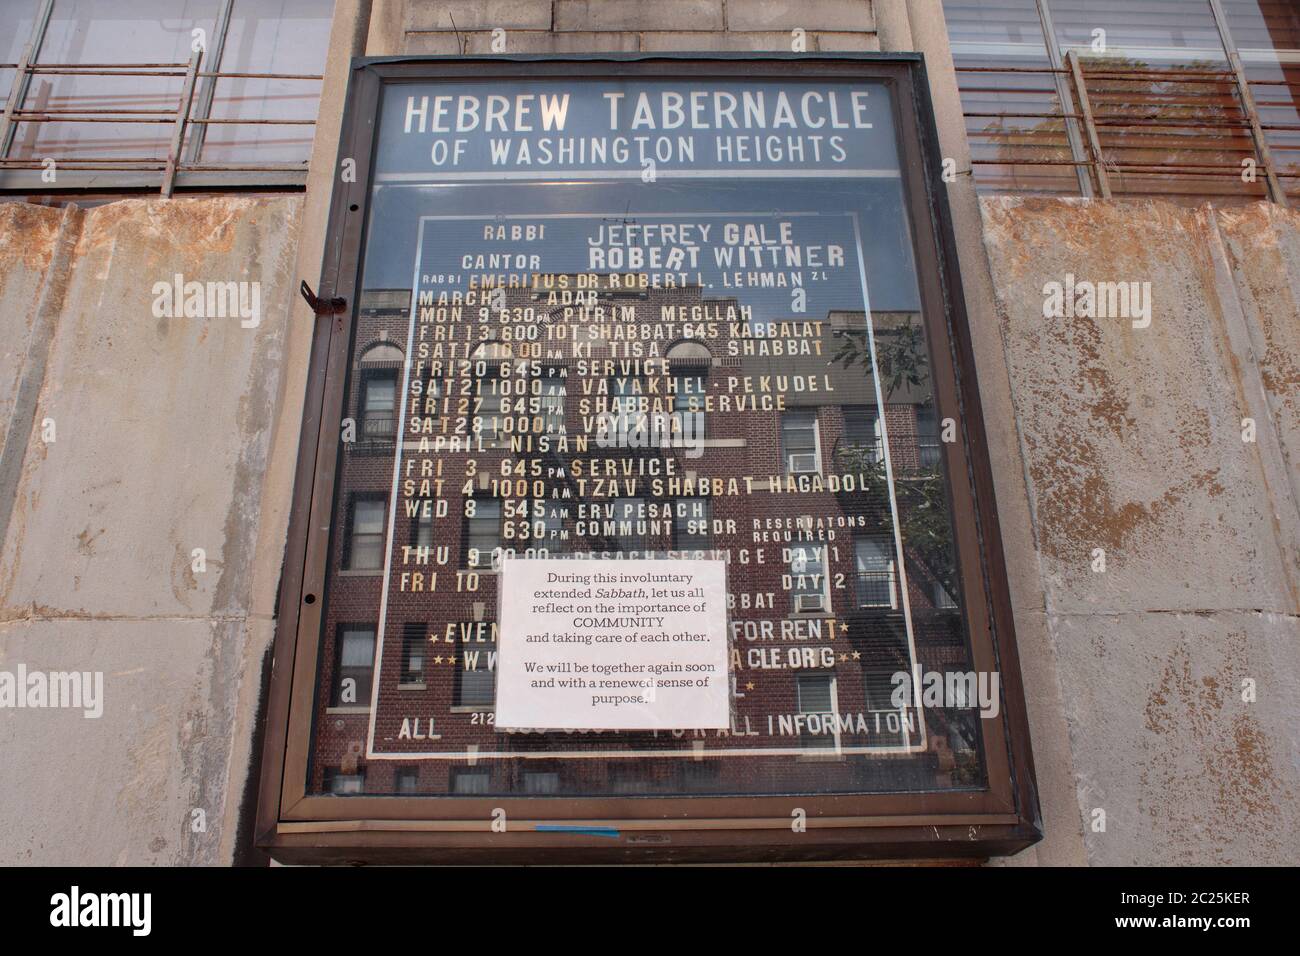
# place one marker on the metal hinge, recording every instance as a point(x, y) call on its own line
point(333, 306)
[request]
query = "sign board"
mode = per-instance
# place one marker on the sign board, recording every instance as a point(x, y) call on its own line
point(633, 645)
point(612, 317)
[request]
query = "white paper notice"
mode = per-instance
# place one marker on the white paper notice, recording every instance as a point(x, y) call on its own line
point(617, 645)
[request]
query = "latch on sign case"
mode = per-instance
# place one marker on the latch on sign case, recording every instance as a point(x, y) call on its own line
point(332, 306)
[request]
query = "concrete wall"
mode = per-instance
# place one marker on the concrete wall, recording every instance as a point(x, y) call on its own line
point(585, 26)
point(161, 432)
point(1131, 440)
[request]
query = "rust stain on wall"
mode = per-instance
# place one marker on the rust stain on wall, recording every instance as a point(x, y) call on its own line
point(1210, 754)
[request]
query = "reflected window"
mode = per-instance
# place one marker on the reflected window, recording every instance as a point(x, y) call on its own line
point(353, 673)
point(800, 443)
point(489, 396)
point(809, 582)
point(551, 404)
point(378, 405)
point(927, 437)
point(691, 524)
point(422, 532)
point(540, 783)
point(476, 674)
point(366, 533)
point(815, 693)
point(482, 532)
point(339, 783)
point(468, 782)
point(414, 639)
point(625, 402)
point(876, 580)
point(548, 526)
point(689, 363)
point(630, 525)
point(862, 433)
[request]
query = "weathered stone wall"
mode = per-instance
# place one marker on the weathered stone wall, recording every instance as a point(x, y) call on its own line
point(161, 431)
point(1132, 442)
point(584, 26)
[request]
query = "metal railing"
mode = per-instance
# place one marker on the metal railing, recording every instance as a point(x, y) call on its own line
point(379, 425)
point(1123, 126)
point(1177, 112)
point(876, 590)
point(183, 118)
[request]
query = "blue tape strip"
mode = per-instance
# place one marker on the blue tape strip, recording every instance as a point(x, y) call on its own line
point(589, 831)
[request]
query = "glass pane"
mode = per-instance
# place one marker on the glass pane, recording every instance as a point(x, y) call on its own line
point(1267, 34)
point(17, 18)
point(1150, 31)
point(269, 36)
point(1009, 97)
point(493, 270)
point(369, 517)
point(112, 32)
point(358, 648)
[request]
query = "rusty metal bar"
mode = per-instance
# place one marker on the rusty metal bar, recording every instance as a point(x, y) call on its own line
point(1085, 107)
point(1172, 124)
point(91, 159)
point(1031, 162)
point(43, 70)
point(221, 74)
point(178, 135)
point(208, 89)
point(1275, 191)
point(114, 66)
point(16, 91)
point(1002, 115)
point(116, 112)
point(1063, 94)
point(253, 122)
point(41, 117)
point(1005, 69)
point(246, 167)
point(23, 76)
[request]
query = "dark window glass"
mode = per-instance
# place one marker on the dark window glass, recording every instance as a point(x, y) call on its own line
point(356, 656)
point(468, 782)
point(483, 533)
point(816, 706)
point(378, 412)
point(691, 524)
point(877, 585)
point(862, 433)
point(475, 665)
point(366, 549)
point(340, 783)
point(407, 780)
point(800, 442)
point(927, 437)
point(414, 644)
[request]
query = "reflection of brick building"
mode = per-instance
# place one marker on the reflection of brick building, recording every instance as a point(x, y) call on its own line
point(818, 625)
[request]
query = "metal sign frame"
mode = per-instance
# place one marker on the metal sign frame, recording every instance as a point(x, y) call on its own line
point(298, 827)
